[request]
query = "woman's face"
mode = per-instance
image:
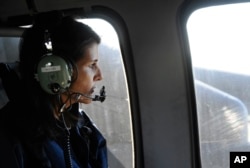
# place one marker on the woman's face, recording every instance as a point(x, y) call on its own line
point(87, 76)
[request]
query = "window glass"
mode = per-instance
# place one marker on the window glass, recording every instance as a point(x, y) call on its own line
point(219, 39)
point(8, 53)
point(112, 116)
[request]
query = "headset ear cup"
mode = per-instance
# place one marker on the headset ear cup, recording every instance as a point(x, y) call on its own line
point(54, 74)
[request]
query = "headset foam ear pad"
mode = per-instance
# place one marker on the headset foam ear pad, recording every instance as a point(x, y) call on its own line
point(54, 74)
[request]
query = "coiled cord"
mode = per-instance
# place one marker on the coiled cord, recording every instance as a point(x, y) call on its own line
point(67, 152)
point(67, 149)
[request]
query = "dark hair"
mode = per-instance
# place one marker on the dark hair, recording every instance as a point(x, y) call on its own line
point(69, 40)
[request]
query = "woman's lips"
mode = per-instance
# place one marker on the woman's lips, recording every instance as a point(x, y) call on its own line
point(92, 90)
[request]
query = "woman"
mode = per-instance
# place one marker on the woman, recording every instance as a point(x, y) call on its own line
point(51, 131)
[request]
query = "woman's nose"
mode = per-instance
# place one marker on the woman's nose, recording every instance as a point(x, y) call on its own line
point(98, 75)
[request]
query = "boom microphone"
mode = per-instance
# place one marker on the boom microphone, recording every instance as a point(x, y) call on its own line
point(102, 95)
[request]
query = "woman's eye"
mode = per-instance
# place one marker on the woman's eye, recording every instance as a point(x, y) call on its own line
point(93, 65)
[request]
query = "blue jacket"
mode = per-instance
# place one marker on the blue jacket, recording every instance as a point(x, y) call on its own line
point(87, 149)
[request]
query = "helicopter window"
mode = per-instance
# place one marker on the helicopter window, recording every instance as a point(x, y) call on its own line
point(112, 116)
point(219, 39)
point(8, 53)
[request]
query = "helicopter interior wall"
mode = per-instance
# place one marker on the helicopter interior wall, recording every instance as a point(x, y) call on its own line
point(159, 69)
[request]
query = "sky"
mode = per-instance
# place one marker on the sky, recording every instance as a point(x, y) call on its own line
point(219, 38)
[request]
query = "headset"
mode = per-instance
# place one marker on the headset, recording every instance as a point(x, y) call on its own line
point(54, 73)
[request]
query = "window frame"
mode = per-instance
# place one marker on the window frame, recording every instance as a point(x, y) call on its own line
point(183, 14)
